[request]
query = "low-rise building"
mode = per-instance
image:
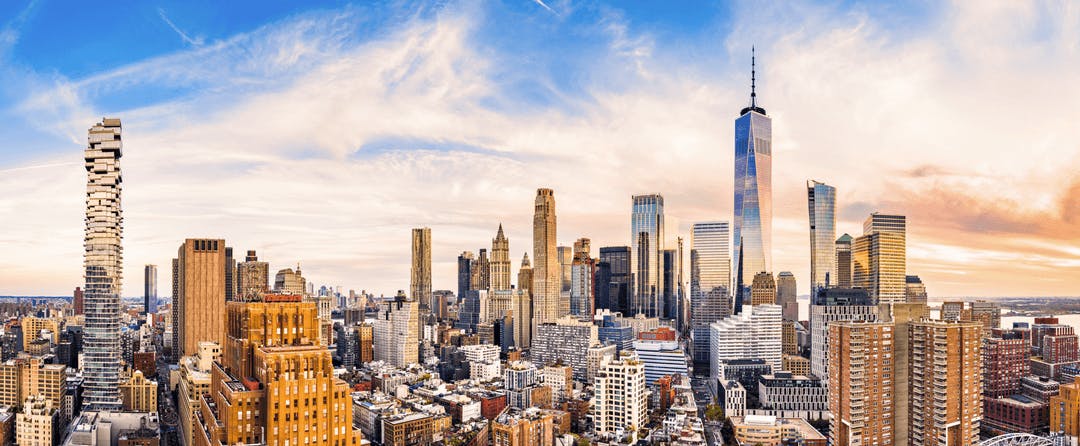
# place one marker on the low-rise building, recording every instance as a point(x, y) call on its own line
point(772, 431)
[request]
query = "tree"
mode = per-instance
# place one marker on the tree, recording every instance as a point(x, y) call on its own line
point(728, 432)
point(714, 412)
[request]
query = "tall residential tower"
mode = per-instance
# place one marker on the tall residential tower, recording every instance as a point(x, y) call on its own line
point(103, 261)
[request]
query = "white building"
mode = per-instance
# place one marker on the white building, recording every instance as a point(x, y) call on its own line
point(661, 358)
point(485, 370)
point(560, 379)
point(754, 334)
point(396, 333)
point(783, 391)
point(565, 341)
point(620, 404)
point(734, 396)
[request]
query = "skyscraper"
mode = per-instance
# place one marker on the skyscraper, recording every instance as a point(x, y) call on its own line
point(566, 263)
point(821, 200)
point(646, 258)
point(252, 278)
point(103, 261)
point(786, 295)
point(582, 289)
point(396, 338)
point(752, 334)
point(546, 277)
point(150, 289)
point(420, 277)
point(500, 261)
point(464, 273)
point(670, 278)
point(835, 305)
point(915, 290)
point(880, 257)
point(230, 275)
point(620, 403)
point(753, 190)
point(481, 271)
point(946, 383)
point(843, 261)
point(710, 272)
point(200, 303)
point(615, 292)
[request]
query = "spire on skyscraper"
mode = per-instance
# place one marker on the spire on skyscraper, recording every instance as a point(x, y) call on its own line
point(753, 86)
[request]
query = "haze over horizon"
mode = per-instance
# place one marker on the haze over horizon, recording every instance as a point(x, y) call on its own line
point(322, 135)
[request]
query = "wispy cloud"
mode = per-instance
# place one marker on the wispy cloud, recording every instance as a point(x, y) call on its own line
point(545, 6)
point(197, 41)
point(307, 142)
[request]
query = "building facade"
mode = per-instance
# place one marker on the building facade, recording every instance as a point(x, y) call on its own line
point(710, 275)
point(546, 284)
point(946, 383)
point(420, 272)
point(646, 254)
point(821, 200)
point(879, 258)
point(201, 300)
point(861, 383)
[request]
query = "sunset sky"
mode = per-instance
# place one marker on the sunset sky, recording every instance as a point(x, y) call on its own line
point(322, 135)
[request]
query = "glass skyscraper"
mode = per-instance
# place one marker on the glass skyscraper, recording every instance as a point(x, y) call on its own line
point(821, 201)
point(879, 258)
point(103, 259)
point(646, 258)
point(710, 273)
point(752, 235)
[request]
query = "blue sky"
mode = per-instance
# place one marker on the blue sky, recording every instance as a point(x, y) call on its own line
point(322, 132)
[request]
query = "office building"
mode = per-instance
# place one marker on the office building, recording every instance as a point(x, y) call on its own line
point(420, 273)
point(763, 289)
point(796, 365)
point(844, 262)
point(26, 376)
point(710, 272)
point(821, 200)
point(755, 334)
point(275, 368)
point(103, 269)
point(613, 282)
point(946, 383)
point(500, 261)
point(252, 278)
point(230, 275)
point(200, 303)
point(36, 328)
point(481, 271)
point(566, 264)
point(987, 313)
point(860, 383)
point(464, 273)
point(914, 289)
point(620, 401)
point(787, 295)
point(524, 318)
point(287, 281)
point(752, 225)
point(879, 258)
point(835, 305)
point(564, 341)
point(194, 382)
point(784, 392)
point(661, 358)
point(78, 305)
point(150, 289)
point(646, 254)
point(139, 394)
point(546, 283)
point(395, 332)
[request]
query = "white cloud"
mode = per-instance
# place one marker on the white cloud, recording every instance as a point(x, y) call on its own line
point(308, 145)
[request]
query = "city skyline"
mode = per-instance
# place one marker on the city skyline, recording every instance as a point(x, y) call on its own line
point(342, 201)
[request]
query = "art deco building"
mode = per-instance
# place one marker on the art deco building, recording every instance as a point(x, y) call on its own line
point(287, 281)
point(139, 394)
point(194, 383)
point(420, 274)
point(103, 261)
point(620, 403)
point(396, 337)
point(545, 273)
point(787, 295)
point(481, 272)
point(252, 278)
point(500, 261)
point(200, 303)
point(860, 383)
point(879, 258)
point(647, 246)
point(844, 262)
point(946, 383)
point(150, 289)
point(710, 272)
point(763, 289)
point(752, 225)
point(821, 199)
point(276, 384)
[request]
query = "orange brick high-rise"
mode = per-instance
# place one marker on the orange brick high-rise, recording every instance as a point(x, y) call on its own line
point(275, 384)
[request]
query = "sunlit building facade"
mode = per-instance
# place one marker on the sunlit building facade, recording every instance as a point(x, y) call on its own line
point(752, 225)
point(646, 258)
point(821, 200)
point(710, 273)
point(879, 258)
point(546, 282)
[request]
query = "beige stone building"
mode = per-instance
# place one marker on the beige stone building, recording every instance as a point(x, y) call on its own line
point(546, 278)
point(252, 278)
point(194, 383)
point(763, 289)
point(37, 424)
point(500, 262)
point(420, 273)
point(139, 394)
point(33, 326)
point(25, 376)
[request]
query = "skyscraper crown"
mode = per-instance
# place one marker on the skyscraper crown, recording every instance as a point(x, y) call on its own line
point(753, 88)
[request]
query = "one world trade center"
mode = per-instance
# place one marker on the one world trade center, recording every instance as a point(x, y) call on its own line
point(752, 234)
